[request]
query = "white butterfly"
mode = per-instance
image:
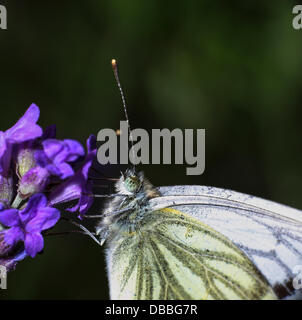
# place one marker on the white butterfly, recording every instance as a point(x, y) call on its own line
point(197, 242)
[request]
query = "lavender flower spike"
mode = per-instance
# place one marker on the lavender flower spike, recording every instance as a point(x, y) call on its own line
point(25, 129)
point(26, 225)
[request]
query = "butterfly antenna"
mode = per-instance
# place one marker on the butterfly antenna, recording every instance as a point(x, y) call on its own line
point(115, 72)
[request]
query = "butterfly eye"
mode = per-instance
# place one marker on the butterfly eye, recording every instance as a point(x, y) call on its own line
point(132, 183)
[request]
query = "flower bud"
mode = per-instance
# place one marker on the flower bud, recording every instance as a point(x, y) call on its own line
point(33, 181)
point(6, 190)
point(25, 161)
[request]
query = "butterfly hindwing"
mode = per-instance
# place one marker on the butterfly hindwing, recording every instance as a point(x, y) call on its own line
point(175, 256)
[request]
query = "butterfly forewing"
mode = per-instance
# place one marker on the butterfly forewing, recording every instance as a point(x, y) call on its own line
point(270, 234)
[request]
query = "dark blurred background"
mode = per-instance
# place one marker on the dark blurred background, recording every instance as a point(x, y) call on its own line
point(232, 67)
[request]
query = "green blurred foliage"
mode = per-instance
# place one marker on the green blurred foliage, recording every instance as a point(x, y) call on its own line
point(233, 68)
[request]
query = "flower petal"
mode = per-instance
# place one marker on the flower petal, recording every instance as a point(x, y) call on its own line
point(68, 191)
point(41, 158)
point(20, 256)
point(83, 205)
point(9, 217)
point(78, 186)
point(5, 154)
point(53, 170)
point(26, 127)
point(75, 150)
point(52, 147)
point(34, 243)
point(35, 202)
point(65, 170)
point(13, 235)
point(2, 144)
point(91, 143)
point(45, 219)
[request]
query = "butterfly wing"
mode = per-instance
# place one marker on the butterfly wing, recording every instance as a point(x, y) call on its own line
point(175, 256)
point(270, 234)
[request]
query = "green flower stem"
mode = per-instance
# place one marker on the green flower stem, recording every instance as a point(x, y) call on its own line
point(17, 201)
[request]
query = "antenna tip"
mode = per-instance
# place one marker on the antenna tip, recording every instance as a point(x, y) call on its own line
point(113, 63)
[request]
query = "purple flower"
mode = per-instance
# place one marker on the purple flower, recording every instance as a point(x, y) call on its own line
point(26, 225)
point(56, 154)
point(37, 171)
point(78, 186)
point(25, 129)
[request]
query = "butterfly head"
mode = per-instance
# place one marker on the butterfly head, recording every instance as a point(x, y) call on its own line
point(130, 182)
